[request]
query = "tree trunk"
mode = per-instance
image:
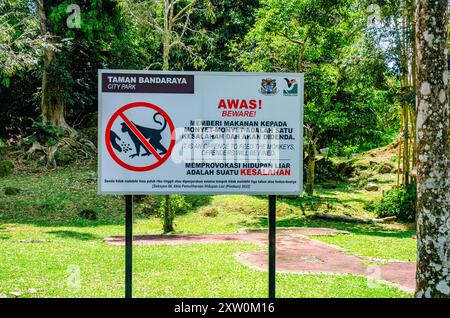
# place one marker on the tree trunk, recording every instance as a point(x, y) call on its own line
point(166, 37)
point(52, 102)
point(166, 45)
point(168, 215)
point(413, 111)
point(310, 169)
point(406, 156)
point(433, 173)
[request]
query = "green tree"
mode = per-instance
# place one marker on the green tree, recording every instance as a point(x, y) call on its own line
point(170, 22)
point(52, 102)
point(232, 20)
point(325, 40)
point(68, 74)
point(394, 32)
point(21, 45)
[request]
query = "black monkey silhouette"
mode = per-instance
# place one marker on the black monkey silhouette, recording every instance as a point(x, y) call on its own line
point(113, 137)
point(152, 135)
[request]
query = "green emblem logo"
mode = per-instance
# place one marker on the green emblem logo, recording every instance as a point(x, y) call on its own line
point(292, 87)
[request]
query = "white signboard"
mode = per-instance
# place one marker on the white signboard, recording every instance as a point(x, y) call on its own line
point(200, 132)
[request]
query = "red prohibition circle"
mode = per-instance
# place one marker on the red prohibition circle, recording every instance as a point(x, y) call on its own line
point(121, 111)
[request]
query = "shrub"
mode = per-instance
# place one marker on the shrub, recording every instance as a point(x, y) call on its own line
point(151, 204)
point(45, 133)
point(328, 169)
point(65, 155)
point(2, 149)
point(90, 134)
point(399, 202)
point(155, 204)
point(6, 168)
point(209, 211)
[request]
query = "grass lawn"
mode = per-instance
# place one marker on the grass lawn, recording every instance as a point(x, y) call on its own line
point(70, 260)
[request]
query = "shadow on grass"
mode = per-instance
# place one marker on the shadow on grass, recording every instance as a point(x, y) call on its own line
point(57, 215)
point(75, 235)
point(3, 235)
point(385, 181)
point(354, 228)
point(69, 222)
point(305, 201)
point(307, 204)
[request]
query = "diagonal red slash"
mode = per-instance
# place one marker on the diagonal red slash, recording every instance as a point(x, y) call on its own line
point(140, 136)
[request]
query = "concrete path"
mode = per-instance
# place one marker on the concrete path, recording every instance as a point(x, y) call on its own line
point(296, 253)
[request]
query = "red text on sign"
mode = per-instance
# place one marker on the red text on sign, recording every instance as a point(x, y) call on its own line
point(240, 104)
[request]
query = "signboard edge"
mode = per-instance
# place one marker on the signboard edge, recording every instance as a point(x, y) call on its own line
point(99, 136)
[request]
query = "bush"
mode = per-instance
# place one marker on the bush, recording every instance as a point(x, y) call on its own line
point(6, 168)
point(209, 211)
point(399, 202)
point(151, 204)
point(155, 204)
point(44, 133)
point(2, 149)
point(65, 155)
point(90, 134)
point(328, 169)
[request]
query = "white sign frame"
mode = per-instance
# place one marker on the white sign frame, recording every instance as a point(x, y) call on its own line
point(299, 140)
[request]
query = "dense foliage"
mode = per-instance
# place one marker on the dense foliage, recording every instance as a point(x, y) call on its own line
point(79, 52)
point(348, 100)
point(399, 202)
point(49, 55)
point(348, 104)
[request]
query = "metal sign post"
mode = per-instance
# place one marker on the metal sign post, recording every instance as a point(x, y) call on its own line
point(272, 241)
point(128, 246)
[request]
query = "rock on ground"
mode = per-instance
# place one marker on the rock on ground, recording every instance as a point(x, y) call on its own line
point(371, 187)
point(386, 168)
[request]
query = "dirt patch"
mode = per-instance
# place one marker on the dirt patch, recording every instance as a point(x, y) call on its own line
point(295, 254)
point(185, 239)
point(257, 236)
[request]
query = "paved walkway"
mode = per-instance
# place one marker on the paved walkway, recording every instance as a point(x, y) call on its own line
point(296, 254)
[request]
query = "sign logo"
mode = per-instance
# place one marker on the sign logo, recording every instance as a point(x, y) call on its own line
point(292, 89)
point(140, 136)
point(268, 86)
